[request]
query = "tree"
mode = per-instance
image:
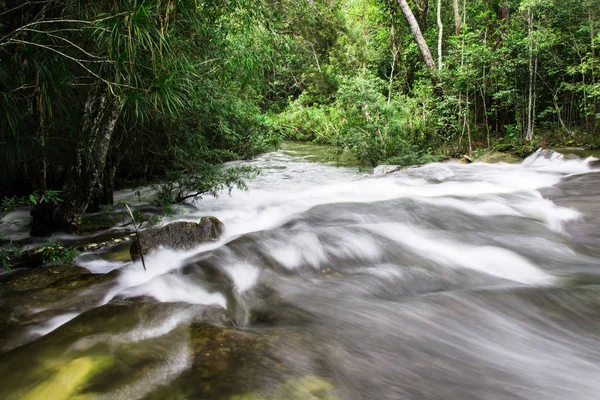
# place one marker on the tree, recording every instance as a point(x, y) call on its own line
point(457, 19)
point(440, 33)
point(138, 71)
point(417, 35)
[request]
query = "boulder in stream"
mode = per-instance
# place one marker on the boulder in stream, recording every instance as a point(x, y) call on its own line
point(178, 235)
point(493, 157)
point(386, 169)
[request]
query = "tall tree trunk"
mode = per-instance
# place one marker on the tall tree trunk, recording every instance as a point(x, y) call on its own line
point(39, 116)
point(84, 170)
point(591, 19)
point(394, 57)
point(440, 34)
point(416, 32)
point(468, 123)
point(529, 134)
point(457, 21)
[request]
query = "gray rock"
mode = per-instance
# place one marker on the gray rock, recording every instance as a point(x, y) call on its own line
point(386, 169)
point(178, 235)
point(498, 157)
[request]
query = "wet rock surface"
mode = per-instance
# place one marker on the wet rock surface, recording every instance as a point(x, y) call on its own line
point(177, 235)
point(31, 298)
point(498, 157)
point(42, 277)
point(446, 281)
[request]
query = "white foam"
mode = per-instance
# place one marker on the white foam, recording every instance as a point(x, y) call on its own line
point(244, 275)
point(526, 205)
point(158, 281)
point(302, 248)
point(267, 206)
point(172, 289)
point(53, 324)
point(491, 260)
point(146, 330)
point(101, 266)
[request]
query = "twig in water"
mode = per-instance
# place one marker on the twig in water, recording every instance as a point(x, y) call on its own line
point(137, 235)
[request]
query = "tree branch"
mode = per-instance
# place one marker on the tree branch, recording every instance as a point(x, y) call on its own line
point(27, 3)
point(80, 62)
point(71, 43)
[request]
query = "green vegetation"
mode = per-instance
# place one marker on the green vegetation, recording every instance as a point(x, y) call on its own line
point(508, 74)
point(11, 203)
point(54, 253)
point(97, 95)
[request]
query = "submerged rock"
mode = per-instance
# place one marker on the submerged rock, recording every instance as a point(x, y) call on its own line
point(32, 298)
point(307, 388)
point(68, 379)
point(178, 235)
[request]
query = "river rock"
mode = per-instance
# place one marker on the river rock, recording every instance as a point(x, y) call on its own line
point(178, 236)
point(386, 169)
point(31, 298)
point(40, 255)
point(41, 277)
point(499, 157)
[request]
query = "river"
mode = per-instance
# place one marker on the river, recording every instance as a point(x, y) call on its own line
point(446, 281)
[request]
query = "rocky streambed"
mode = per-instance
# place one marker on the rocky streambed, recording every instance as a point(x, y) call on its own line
point(448, 280)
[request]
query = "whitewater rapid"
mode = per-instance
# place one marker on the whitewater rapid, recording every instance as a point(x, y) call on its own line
point(448, 280)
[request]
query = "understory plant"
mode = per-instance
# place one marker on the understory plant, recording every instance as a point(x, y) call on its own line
point(202, 179)
point(57, 253)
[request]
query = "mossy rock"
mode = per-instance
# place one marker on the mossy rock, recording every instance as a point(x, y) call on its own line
point(68, 380)
point(307, 388)
point(228, 362)
point(33, 297)
point(42, 277)
point(499, 157)
point(95, 223)
point(178, 236)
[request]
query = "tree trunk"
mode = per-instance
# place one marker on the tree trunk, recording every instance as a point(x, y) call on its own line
point(457, 21)
point(503, 18)
point(440, 34)
point(416, 32)
point(394, 57)
point(529, 134)
point(108, 188)
point(85, 169)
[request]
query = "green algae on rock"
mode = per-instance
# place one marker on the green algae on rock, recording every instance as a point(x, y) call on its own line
point(307, 388)
point(68, 380)
point(42, 277)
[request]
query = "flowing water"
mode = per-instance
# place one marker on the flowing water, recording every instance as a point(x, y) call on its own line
point(446, 281)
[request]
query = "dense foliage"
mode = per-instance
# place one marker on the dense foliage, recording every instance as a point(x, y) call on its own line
point(514, 74)
point(98, 94)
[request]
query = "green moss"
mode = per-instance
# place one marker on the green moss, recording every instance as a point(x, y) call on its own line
point(307, 388)
point(43, 277)
point(68, 380)
point(95, 223)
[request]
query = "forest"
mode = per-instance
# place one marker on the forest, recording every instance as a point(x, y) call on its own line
point(299, 199)
point(101, 95)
